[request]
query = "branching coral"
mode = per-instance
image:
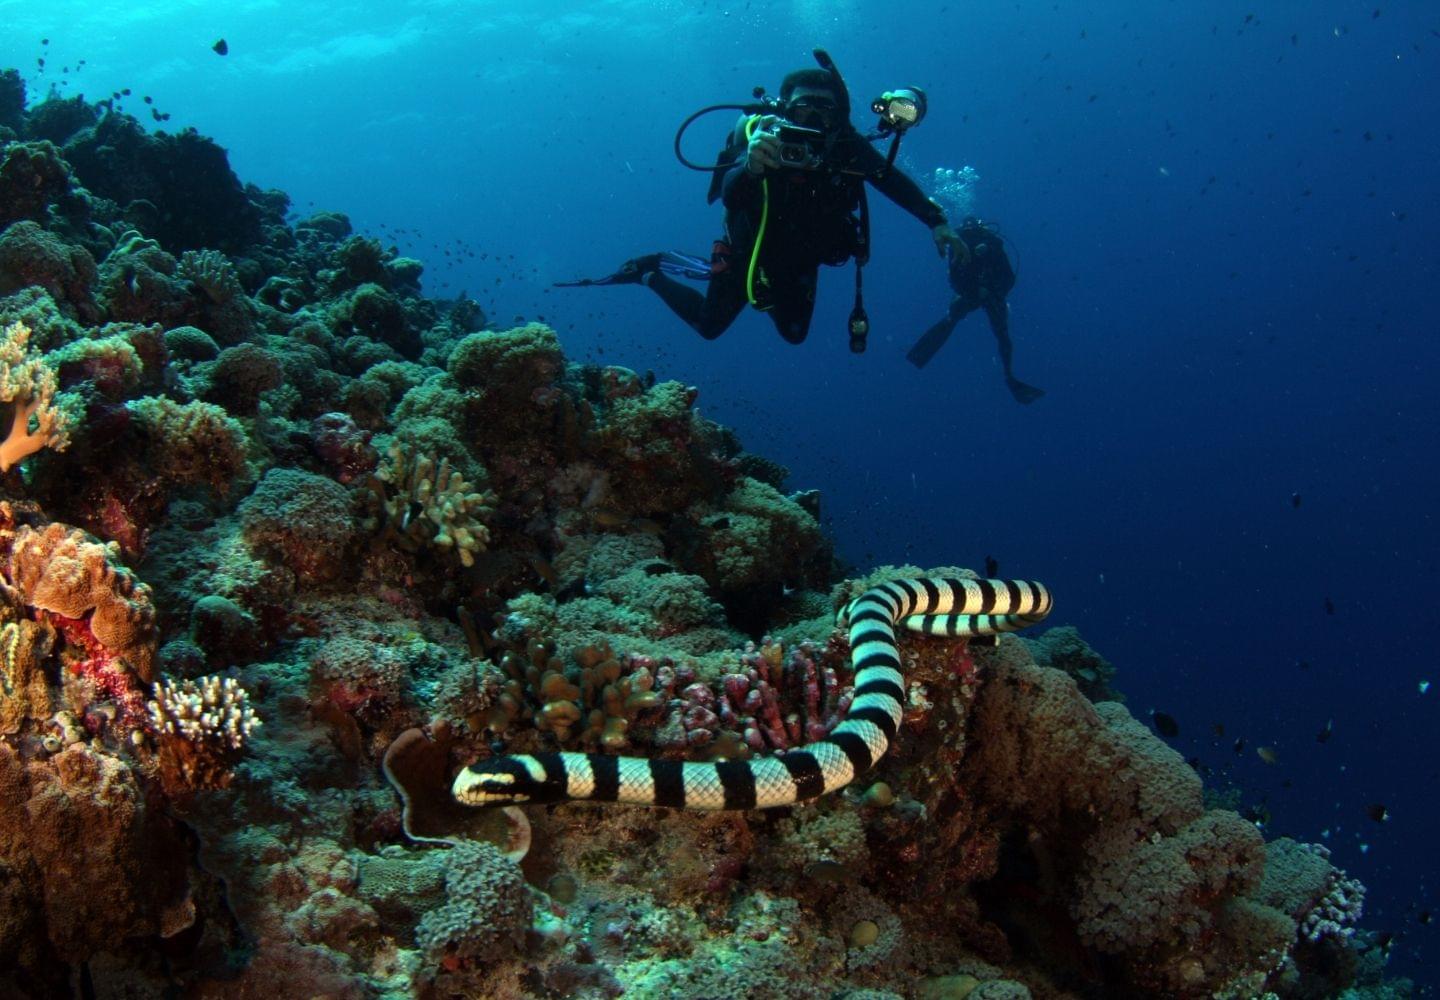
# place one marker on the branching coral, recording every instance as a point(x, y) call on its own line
point(429, 503)
point(212, 273)
point(28, 384)
point(200, 725)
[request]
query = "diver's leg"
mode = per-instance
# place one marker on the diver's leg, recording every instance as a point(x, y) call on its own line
point(709, 314)
point(795, 305)
point(999, 313)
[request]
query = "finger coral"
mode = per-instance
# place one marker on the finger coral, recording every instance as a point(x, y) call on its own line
point(425, 502)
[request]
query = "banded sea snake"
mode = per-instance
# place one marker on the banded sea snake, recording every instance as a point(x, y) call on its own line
point(929, 605)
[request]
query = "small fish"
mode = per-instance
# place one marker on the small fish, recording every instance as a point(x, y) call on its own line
point(1423, 686)
point(1304, 664)
point(603, 518)
point(221, 48)
point(1323, 736)
point(992, 567)
point(1218, 729)
point(1294, 499)
point(1165, 724)
point(1240, 745)
point(1423, 916)
point(1267, 754)
point(1329, 606)
point(1377, 812)
point(545, 572)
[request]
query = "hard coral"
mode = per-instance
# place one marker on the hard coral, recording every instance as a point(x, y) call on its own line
point(424, 502)
point(200, 726)
point(74, 831)
point(238, 378)
point(303, 520)
point(189, 444)
point(512, 363)
point(485, 917)
point(32, 176)
point(29, 255)
point(1114, 823)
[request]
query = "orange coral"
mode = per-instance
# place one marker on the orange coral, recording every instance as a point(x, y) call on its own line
point(61, 570)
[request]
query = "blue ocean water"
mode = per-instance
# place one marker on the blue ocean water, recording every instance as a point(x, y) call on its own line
point(1224, 216)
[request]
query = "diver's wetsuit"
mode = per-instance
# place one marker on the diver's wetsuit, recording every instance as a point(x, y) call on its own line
point(980, 282)
point(813, 220)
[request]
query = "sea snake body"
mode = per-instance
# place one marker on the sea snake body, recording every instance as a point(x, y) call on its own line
point(934, 606)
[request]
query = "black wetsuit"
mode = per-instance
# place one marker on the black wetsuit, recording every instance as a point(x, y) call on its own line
point(981, 281)
point(814, 219)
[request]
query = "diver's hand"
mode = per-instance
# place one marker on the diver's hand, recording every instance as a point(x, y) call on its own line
point(763, 153)
point(948, 239)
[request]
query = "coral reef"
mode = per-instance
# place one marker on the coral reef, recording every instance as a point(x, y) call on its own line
point(284, 544)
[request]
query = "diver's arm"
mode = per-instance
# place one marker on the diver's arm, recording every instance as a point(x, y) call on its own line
point(742, 185)
point(896, 185)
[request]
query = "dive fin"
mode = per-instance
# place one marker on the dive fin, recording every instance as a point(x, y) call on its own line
point(1023, 393)
point(931, 341)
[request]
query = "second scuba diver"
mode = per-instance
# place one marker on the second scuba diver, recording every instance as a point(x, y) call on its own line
point(980, 277)
point(793, 185)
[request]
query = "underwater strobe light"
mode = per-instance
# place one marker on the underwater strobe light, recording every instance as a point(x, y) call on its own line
point(899, 110)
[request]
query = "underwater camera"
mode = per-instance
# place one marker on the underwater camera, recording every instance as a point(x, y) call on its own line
point(800, 147)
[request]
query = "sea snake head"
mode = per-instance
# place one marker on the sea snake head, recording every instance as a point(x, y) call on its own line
point(506, 781)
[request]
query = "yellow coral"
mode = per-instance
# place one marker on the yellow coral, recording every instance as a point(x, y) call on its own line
point(28, 383)
point(434, 503)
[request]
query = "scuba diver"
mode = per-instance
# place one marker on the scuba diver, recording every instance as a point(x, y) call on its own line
point(792, 179)
point(981, 277)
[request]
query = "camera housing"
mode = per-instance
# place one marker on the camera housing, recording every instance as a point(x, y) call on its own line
point(801, 148)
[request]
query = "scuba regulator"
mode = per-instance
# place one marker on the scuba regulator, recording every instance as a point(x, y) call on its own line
point(808, 149)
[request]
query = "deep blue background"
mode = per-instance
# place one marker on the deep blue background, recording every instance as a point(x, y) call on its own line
point(1225, 215)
